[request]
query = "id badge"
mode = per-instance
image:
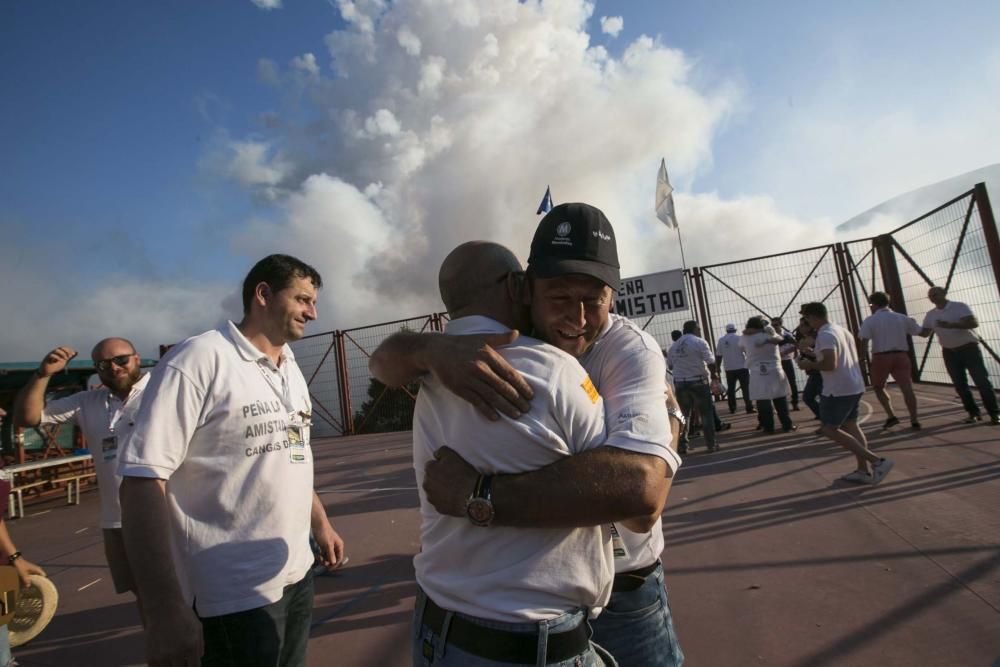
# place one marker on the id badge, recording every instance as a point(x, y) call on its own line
point(296, 444)
point(109, 447)
point(618, 547)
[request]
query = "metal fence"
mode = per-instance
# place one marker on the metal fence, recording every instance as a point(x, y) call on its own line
point(955, 246)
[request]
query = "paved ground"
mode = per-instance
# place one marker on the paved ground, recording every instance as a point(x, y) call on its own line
point(769, 560)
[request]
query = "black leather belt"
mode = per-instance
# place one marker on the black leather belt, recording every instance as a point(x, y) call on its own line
point(890, 352)
point(691, 381)
point(626, 582)
point(503, 645)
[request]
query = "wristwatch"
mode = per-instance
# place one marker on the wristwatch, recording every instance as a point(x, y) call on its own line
point(479, 506)
point(676, 414)
point(13, 557)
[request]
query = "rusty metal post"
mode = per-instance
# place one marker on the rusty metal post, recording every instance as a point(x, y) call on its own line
point(699, 287)
point(850, 313)
point(344, 385)
point(989, 228)
point(884, 248)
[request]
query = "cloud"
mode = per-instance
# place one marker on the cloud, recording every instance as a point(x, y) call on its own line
point(267, 5)
point(441, 124)
point(138, 305)
point(612, 25)
point(306, 63)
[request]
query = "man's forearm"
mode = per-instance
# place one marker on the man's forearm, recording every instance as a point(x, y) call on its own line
point(146, 531)
point(317, 515)
point(597, 486)
point(30, 401)
point(401, 358)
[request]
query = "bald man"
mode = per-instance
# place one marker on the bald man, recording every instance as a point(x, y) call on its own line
point(105, 416)
point(498, 593)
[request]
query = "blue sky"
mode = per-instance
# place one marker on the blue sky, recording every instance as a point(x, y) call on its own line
point(152, 151)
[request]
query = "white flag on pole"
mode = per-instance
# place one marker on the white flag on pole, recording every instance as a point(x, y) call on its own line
point(665, 198)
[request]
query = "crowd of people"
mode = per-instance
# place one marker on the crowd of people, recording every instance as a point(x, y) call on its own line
point(760, 364)
point(543, 462)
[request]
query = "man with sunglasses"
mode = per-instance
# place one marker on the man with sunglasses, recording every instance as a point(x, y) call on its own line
point(105, 416)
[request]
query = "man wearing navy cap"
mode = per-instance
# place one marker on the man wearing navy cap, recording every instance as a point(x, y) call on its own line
point(573, 273)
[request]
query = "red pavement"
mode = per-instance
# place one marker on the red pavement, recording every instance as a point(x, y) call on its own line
point(769, 560)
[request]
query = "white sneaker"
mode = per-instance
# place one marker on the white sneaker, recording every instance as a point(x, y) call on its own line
point(880, 470)
point(858, 477)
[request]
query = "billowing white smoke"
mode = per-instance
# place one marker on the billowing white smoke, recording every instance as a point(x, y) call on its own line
point(436, 123)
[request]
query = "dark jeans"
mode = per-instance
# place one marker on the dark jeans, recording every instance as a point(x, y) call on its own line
point(812, 391)
point(969, 358)
point(696, 396)
point(275, 635)
point(742, 376)
point(789, 367)
point(765, 413)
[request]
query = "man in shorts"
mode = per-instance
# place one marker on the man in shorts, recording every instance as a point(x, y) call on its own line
point(888, 332)
point(837, 360)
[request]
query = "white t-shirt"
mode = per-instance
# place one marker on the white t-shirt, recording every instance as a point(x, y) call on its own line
point(733, 356)
point(214, 423)
point(845, 379)
point(500, 572)
point(887, 330)
point(628, 368)
point(105, 421)
point(953, 311)
point(688, 357)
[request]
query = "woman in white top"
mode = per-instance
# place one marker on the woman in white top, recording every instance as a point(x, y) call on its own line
point(768, 384)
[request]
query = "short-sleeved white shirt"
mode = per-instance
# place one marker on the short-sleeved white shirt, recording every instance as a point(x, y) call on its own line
point(953, 311)
point(845, 379)
point(105, 421)
point(628, 368)
point(214, 423)
point(733, 356)
point(500, 572)
point(887, 330)
point(688, 356)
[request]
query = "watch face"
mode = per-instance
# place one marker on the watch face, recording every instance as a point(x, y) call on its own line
point(480, 511)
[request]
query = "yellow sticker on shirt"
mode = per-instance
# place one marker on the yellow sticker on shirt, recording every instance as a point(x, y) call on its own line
point(591, 390)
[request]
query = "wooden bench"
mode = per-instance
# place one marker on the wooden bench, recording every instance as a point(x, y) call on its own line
point(65, 470)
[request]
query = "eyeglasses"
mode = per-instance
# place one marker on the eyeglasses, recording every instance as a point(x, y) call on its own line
point(105, 364)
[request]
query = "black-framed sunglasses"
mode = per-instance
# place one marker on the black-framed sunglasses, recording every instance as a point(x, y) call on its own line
point(105, 364)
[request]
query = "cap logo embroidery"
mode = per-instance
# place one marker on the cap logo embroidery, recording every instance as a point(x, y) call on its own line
point(564, 229)
point(601, 235)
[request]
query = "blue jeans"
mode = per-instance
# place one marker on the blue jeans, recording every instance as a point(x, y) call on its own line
point(810, 395)
point(275, 635)
point(637, 629)
point(5, 656)
point(969, 358)
point(443, 654)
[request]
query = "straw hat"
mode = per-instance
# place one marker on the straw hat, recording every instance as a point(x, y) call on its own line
point(35, 608)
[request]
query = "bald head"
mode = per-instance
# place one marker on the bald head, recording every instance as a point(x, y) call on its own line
point(111, 347)
point(472, 275)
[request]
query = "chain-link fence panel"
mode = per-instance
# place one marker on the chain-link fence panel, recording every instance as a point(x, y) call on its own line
point(317, 358)
point(947, 248)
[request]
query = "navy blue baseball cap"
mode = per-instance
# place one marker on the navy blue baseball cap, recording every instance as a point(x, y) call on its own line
point(575, 238)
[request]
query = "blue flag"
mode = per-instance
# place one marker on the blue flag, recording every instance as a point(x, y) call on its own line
point(546, 204)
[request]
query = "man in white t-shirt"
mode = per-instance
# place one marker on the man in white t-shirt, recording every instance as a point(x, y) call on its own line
point(217, 496)
point(953, 322)
point(843, 385)
point(889, 333)
point(571, 273)
point(733, 358)
point(691, 361)
point(486, 590)
point(105, 416)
